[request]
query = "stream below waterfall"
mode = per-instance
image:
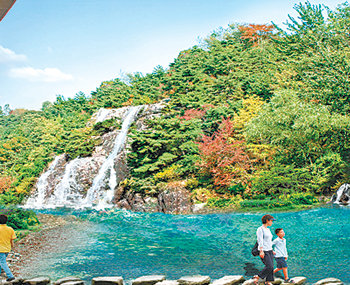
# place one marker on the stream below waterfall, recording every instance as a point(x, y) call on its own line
point(122, 243)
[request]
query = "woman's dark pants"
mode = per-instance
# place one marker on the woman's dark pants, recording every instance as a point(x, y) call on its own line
point(267, 272)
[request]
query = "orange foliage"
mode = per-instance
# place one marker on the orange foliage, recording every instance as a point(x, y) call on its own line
point(254, 33)
point(5, 183)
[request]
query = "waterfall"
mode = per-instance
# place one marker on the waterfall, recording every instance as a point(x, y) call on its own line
point(107, 170)
point(63, 188)
point(67, 191)
point(342, 196)
point(38, 199)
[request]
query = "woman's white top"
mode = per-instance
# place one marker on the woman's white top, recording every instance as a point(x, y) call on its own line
point(264, 237)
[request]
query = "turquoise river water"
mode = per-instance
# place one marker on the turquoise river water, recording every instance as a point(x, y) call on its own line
point(128, 244)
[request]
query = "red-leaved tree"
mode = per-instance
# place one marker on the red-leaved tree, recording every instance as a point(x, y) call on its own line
point(254, 33)
point(223, 157)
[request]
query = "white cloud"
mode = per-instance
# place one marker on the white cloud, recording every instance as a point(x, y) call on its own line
point(43, 75)
point(7, 55)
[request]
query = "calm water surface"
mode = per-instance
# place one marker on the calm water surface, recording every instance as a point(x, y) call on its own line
point(122, 243)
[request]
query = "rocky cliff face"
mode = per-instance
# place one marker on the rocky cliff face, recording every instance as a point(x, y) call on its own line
point(93, 181)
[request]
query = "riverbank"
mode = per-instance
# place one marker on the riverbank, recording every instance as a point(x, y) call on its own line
point(50, 236)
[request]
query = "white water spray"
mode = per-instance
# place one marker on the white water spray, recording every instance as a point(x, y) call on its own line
point(107, 173)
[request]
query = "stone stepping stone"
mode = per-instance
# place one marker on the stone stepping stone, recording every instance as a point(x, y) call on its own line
point(251, 282)
point(148, 280)
point(277, 281)
point(229, 280)
point(67, 279)
point(329, 281)
point(111, 280)
point(168, 282)
point(297, 281)
point(37, 281)
point(194, 280)
point(81, 282)
point(17, 281)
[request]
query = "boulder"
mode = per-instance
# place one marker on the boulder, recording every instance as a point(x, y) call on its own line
point(37, 281)
point(194, 280)
point(330, 281)
point(174, 199)
point(66, 279)
point(113, 280)
point(148, 280)
point(229, 280)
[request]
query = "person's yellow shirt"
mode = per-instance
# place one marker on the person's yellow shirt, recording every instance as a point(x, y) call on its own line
point(7, 234)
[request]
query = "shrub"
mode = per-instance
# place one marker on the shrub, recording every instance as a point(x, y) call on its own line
point(300, 198)
point(266, 203)
point(20, 219)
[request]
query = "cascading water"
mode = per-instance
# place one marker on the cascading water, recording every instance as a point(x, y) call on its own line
point(342, 196)
point(107, 170)
point(38, 199)
point(68, 191)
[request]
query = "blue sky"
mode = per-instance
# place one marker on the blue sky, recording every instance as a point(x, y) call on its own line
point(51, 47)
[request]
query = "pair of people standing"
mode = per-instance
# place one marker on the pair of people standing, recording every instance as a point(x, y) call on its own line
point(265, 243)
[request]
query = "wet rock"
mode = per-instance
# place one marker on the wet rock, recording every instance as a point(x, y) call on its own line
point(148, 280)
point(66, 279)
point(107, 114)
point(175, 199)
point(229, 280)
point(151, 204)
point(107, 143)
point(194, 280)
point(113, 280)
point(329, 281)
point(37, 281)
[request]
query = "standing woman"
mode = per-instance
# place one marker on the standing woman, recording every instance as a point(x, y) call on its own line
point(264, 237)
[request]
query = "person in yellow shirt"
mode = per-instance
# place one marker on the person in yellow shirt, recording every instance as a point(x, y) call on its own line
point(7, 235)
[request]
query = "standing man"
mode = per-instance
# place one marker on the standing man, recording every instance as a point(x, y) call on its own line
point(7, 235)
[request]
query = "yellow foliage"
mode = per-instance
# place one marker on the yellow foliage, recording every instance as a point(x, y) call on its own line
point(26, 185)
point(167, 174)
point(250, 109)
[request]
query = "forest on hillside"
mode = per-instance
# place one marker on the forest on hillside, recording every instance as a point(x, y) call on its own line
point(257, 115)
